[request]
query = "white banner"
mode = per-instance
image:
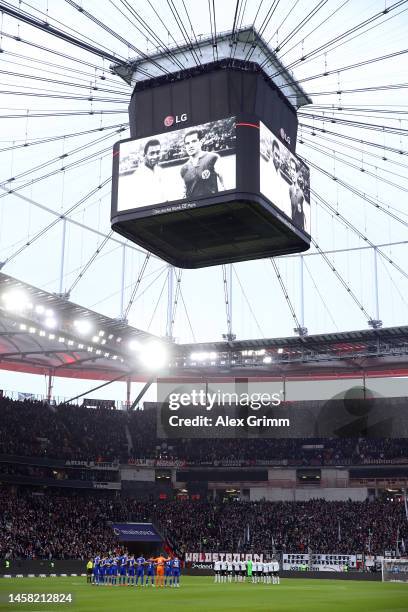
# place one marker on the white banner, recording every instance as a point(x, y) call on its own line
point(319, 562)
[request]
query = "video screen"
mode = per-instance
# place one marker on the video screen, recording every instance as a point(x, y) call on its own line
point(284, 179)
point(187, 164)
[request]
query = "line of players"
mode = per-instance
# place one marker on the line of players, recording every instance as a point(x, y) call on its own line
point(126, 570)
point(247, 571)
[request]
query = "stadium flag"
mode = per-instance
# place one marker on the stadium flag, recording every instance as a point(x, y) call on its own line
point(397, 542)
point(25, 396)
point(339, 531)
point(405, 503)
point(369, 540)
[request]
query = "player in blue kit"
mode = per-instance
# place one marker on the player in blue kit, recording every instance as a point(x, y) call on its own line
point(108, 570)
point(95, 569)
point(140, 569)
point(168, 573)
point(150, 572)
point(114, 570)
point(123, 559)
point(102, 571)
point(176, 571)
point(131, 570)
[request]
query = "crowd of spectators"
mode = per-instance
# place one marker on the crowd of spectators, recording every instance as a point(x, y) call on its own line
point(292, 527)
point(64, 526)
point(69, 432)
point(52, 526)
point(33, 428)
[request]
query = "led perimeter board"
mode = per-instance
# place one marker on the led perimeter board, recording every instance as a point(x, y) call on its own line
point(210, 174)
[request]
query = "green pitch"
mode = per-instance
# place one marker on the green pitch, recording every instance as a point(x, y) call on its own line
point(200, 594)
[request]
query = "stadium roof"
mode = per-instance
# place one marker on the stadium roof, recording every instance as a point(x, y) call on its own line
point(43, 333)
point(241, 45)
point(382, 351)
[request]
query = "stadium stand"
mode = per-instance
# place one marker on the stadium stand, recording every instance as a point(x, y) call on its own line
point(34, 429)
point(60, 526)
point(66, 472)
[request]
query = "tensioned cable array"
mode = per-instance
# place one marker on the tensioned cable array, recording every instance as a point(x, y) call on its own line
point(39, 141)
point(44, 230)
point(298, 327)
point(377, 158)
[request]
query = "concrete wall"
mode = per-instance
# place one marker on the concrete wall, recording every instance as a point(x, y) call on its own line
point(131, 472)
point(276, 474)
point(333, 477)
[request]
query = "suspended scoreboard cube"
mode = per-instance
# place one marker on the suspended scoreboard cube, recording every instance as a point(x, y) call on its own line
point(210, 175)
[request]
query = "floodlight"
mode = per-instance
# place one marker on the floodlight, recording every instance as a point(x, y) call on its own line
point(16, 300)
point(199, 356)
point(83, 326)
point(135, 345)
point(50, 322)
point(154, 355)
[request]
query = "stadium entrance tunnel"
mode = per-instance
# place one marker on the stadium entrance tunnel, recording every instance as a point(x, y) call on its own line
point(210, 174)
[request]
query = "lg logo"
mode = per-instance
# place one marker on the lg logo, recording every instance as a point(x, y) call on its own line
point(284, 136)
point(170, 120)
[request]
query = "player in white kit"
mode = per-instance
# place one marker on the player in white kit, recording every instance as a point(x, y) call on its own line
point(236, 570)
point(275, 578)
point(229, 571)
point(255, 570)
point(217, 571)
point(270, 572)
point(265, 572)
point(243, 570)
point(223, 571)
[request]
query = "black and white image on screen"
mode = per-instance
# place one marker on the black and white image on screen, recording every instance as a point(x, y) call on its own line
point(186, 164)
point(284, 179)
